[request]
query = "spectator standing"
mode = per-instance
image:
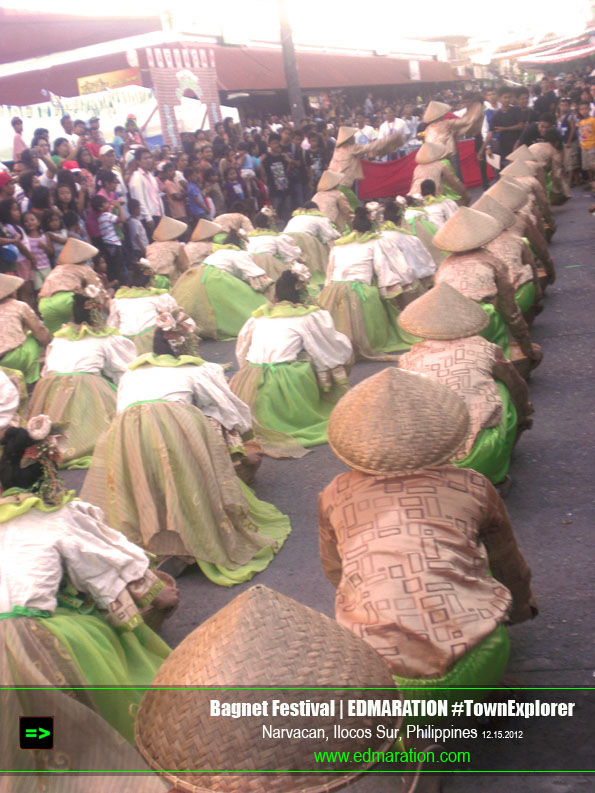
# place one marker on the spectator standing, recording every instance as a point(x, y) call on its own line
point(566, 126)
point(110, 239)
point(365, 133)
point(138, 236)
point(69, 133)
point(390, 126)
point(197, 207)
point(546, 102)
point(119, 141)
point(276, 168)
point(586, 131)
point(507, 123)
point(175, 196)
point(40, 247)
point(18, 142)
point(528, 114)
point(143, 187)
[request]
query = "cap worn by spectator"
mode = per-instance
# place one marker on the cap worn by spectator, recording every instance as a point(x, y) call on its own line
point(72, 166)
point(5, 178)
point(105, 149)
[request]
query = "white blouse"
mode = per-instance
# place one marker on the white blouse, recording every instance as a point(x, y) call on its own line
point(278, 339)
point(204, 386)
point(132, 315)
point(107, 355)
point(237, 263)
point(441, 211)
point(416, 254)
point(320, 227)
point(9, 400)
point(361, 261)
point(277, 245)
point(36, 548)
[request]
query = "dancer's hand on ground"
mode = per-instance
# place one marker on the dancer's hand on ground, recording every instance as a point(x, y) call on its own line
point(168, 598)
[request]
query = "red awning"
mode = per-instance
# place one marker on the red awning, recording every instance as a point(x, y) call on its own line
point(254, 69)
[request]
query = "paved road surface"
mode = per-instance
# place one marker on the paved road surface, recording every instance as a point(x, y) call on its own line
point(552, 510)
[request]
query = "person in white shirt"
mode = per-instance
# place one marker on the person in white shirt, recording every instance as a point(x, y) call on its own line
point(70, 135)
point(143, 186)
point(390, 126)
point(9, 401)
point(365, 133)
point(438, 208)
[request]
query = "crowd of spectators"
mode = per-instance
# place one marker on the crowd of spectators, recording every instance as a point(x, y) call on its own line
point(112, 192)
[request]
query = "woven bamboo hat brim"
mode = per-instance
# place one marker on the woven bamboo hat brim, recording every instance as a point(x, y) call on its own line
point(521, 154)
point(169, 229)
point(261, 638)
point(443, 313)
point(518, 168)
point(329, 180)
point(465, 230)
point(205, 230)
point(430, 152)
point(512, 195)
point(540, 154)
point(495, 209)
point(9, 284)
point(345, 134)
point(435, 110)
point(76, 251)
point(396, 422)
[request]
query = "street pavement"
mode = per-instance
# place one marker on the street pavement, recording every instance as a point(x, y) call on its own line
point(551, 506)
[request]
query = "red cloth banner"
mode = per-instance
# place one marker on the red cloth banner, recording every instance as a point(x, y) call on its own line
point(390, 179)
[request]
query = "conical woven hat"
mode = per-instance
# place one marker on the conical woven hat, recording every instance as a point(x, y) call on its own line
point(518, 168)
point(495, 209)
point(345, 134)
point(9, 284)
point(540, 152)
point(512, 195)
point(329, 180)
point(396, 422)
point(261, 638)
point(465, 230)
point(169, 229)
point(436, 110)
point(430, 152)
point(76, 251)
point(443, 313)
point(522, 154)
point(205, 229)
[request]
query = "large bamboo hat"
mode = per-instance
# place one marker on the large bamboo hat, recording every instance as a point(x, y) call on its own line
point(518, 168)
point(205, 230)
point(495, 209)
point(522, 154)
point(443, 313)
point(465, 230)
point(512, 195)
point(540, 152)
point(261, 638)
point(76, 251)
point(435, 110)
point(169, 229)
point(329, 180)
point(9, 284)
point(345, 134)
point(395, 422)
point(430, 152)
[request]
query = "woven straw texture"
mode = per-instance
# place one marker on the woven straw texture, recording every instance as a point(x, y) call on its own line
point(436, 110)
point(522, 154)
point(9, 284)
point(490, 206)
point(205, 229)
point(430, 152)
point(329, 180)
point(76, 251)
point(345, 133)
point(443, 313)
point(519, 168)
point(169, 229)
point(513, 196)
point(395, 422)
point(261, 638)
point(465, 230)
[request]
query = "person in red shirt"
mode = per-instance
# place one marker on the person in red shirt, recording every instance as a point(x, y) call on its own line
point(95, 143)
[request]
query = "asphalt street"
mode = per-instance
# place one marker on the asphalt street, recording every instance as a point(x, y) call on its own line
point(551, 506)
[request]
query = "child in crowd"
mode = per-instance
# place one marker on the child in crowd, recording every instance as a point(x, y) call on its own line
point(586, 132)
point(138, 234)
point(213, 193)
point(118, 141)
point(111, 241)
point(40, 247)
point(12, 233)
point(234, 187)
point(174, 193)
point(197, 208)
point(53, 224)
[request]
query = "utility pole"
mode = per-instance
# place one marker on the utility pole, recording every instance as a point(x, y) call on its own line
point(291, 73)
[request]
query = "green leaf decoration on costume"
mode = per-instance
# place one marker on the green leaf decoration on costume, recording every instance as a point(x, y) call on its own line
point(15, 502)
point(74, 332)
point(139, 291)
point(357, 236)
point(150, 359)
point(388, 225)
point(228, 247)
point(263, 233)
point(314, 212)
point(283, 309)
point(434, 199)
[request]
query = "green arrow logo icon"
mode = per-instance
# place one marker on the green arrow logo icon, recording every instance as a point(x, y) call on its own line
point(43, 733)
point(39, 734)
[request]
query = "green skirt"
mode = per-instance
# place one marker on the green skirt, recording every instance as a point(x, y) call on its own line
point(525, 296)
point(370, 322)
point(86, 402)
point(106, 656)
point(491, 451)
point(286, 398)
point(218, 302)
point(482, 667)
point(496, 331)
point(165, 479)
point(56, 310)
point(24, 359)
